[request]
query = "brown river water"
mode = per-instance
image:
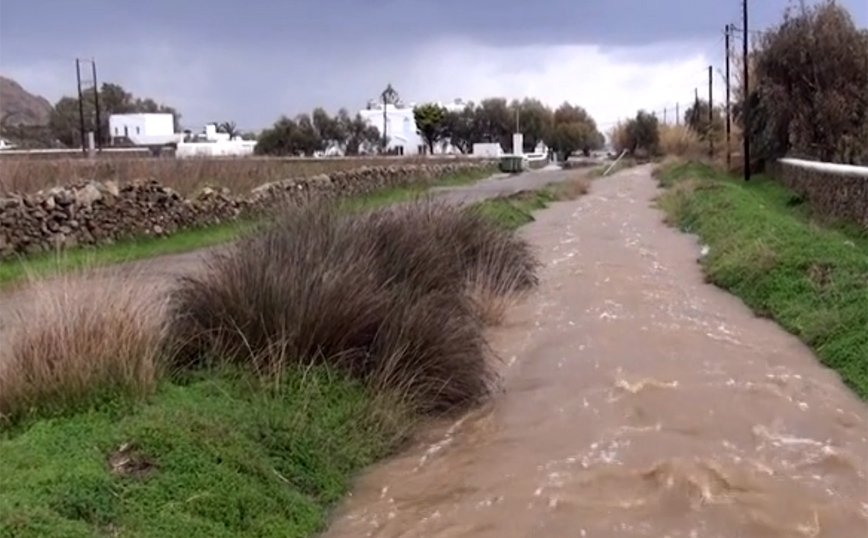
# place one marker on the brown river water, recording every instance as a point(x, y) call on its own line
point(637, 401)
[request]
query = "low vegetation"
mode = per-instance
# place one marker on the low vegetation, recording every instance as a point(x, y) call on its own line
point(240, 175)
point(766, 247)
point(241, 400)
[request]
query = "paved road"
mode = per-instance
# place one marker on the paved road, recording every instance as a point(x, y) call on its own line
point(638, 401)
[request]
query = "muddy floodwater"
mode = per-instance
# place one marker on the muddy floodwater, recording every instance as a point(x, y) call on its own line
point(637, 401)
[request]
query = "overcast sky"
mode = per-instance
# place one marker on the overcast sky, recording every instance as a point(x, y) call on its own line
point(253, 60)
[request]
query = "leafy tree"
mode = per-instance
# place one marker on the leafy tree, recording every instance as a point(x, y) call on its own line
point(643, 134)
point(535, 121)
point(461, 128)
point(430, 123)
point(330, 130)
point(807, 94)
point(574, 130)
point(495, 122)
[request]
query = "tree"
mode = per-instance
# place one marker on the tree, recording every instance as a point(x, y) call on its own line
point(430, 123)
point(64, 122)
point(643, 134)
point(460, 128)
point(807, 94)
point(331, 131)
point(362, 137)
point(574, 130)
point(535, 121)
point(696, 118)
point(228, 127)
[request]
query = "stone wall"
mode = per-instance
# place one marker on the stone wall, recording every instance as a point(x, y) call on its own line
point(830, 194)
point(98, 212)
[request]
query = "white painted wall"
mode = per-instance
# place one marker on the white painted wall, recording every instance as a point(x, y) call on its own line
point(143, 129)
point(401, 127)
point(218, 148)
point(834, 168)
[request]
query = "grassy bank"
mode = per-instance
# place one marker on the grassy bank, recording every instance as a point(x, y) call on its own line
point(245, 405)
point(766, 248)
point(16, 269)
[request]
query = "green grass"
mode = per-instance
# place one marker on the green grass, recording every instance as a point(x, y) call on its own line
point(218, 457)
point(221, 454)
point(46, 264)
point(766, 247)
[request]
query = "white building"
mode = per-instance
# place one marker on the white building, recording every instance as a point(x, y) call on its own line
point(149, 129)
point(211, 143)
point(401, 128)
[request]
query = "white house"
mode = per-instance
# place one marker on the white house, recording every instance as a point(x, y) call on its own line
point(401, 127)
point(147, 129)
point(211, 143)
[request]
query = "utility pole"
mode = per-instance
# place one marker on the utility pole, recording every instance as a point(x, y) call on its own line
point(710, 130)
point(728, 33)
point(80, 106)
point(745, 83)
point(664, 115)
point(96, 106)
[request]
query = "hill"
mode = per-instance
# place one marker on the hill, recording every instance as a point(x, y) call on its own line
point(20, 107)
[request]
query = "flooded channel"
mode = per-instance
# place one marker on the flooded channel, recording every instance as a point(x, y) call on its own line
point(638, 401)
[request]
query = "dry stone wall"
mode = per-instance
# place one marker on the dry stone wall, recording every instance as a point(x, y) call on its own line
point(98, 212)
point(831, 194)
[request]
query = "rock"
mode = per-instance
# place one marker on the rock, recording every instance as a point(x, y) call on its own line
point(88, 194)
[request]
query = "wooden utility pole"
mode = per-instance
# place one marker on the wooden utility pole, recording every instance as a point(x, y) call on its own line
point(710, 130)
point(746, 85)
point(728, 33)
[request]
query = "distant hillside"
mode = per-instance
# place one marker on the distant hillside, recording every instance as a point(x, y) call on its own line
point(19, 107)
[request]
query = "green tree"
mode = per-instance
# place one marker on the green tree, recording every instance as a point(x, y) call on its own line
point(430, 124)
point(535, 121)
point(331, 132)
point(574, 130)
point(643, 134)
point(807, 94)
point(461, 128)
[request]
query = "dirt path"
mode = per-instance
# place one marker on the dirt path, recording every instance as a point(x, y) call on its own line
point(638, 401)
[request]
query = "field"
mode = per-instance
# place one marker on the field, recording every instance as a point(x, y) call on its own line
point(241, 401)
point(26, 175)
point(766, 247)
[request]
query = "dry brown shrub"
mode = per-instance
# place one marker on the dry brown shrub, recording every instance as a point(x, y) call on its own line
point(679, 140)
point(70, 340)
point(384, 296)
point(25, 175)
point(574, 187)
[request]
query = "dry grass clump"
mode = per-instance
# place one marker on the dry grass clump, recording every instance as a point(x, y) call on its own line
point(384, 296)
point(680, 140)
point(572, 188)
point(26, 175)
point(72, 340)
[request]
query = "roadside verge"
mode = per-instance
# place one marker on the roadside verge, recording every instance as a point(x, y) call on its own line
point(764, 246)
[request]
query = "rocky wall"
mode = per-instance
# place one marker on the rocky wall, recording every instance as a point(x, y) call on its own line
point(99, 212)
point(830, 194)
